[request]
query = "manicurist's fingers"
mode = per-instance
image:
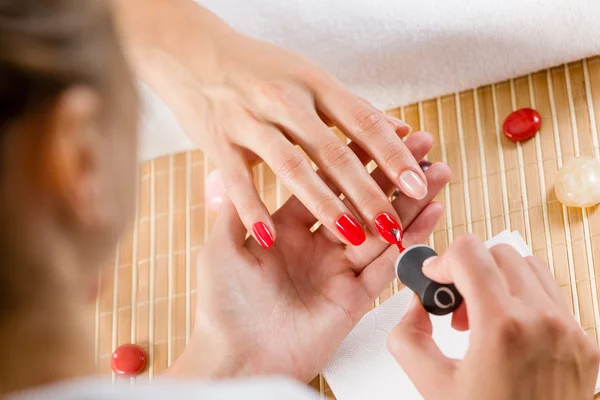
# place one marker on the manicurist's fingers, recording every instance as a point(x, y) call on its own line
point(418, 355)
point(378, 274)
point(471, 267)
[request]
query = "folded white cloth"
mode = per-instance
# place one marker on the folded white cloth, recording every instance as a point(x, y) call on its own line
point(393, 52)
point(363, 368)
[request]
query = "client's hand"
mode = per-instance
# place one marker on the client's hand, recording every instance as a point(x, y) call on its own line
point(524, 343)
point(285, 310)
point(243, 100)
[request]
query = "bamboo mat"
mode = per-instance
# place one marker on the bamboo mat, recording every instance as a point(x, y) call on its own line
point(147, 293)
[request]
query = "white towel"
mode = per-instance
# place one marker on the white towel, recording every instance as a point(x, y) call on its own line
point(393, 52)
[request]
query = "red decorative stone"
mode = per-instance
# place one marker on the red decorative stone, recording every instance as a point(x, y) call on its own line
point(522, 124)
point(128, 360)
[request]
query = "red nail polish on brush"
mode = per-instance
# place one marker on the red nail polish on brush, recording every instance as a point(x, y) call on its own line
point(351, 229)
point(262, 234)
point(388, 228)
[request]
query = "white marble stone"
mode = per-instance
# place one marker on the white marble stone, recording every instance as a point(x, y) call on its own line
point(578, 182)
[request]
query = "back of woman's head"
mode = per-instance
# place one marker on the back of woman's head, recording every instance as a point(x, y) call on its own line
point(67, 141)
point(47, 46)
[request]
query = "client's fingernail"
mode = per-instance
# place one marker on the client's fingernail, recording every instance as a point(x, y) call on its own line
point(429, 261)
point(351, 229)
point(412, 185)
point(386, 226)
point(262, 234)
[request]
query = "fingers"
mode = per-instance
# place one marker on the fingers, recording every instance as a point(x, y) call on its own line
point(347, 173)
point(423, 139)
point(295, 172)
point(419, 143)
point(372, 131)
point(408, 209)
point(460, 320)
point(228, 225)
point(418, 355)
point(401, 127)
point(471, 267)
point(541, 271)
point(520, 279)
point(378, 274)
point(239, 182)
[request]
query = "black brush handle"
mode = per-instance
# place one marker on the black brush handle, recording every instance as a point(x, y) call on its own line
point(438, 299)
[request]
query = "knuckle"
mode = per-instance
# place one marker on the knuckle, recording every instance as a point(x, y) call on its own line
point(587, 346)
point(276, 93)
point(336, 155)
point(369, 121)
point(312, 76)
point(324, 205)
point(245, 208)
point(237, 179)
point(395, 156)
point(554, 327)
point(290, 166)
point(512, 331)
point(367, 199)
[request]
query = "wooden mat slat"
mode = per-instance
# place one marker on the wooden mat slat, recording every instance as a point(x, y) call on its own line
point(147, 292)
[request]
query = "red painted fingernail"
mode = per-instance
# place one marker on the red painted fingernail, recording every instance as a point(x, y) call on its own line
point(351, 229)
point(387, 226)
point(262, 234)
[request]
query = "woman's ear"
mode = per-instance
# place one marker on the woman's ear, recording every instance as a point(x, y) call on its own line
point(69, 153)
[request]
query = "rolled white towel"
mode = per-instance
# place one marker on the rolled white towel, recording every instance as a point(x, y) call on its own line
point(393, 52)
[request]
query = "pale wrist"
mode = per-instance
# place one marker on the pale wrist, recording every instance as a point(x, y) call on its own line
point(166, 40)
point(173, 47)
point(208, 358)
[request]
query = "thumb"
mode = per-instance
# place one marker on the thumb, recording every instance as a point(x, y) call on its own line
point(418, 355)
point(229, 224)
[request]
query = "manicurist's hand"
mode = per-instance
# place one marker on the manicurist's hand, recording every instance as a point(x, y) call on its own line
point(243, 101)
point(285, 310)
point(524, 342)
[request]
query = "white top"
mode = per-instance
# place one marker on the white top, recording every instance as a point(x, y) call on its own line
point(102, 389)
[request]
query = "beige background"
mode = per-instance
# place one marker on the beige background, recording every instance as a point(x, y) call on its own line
point(147, 291)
